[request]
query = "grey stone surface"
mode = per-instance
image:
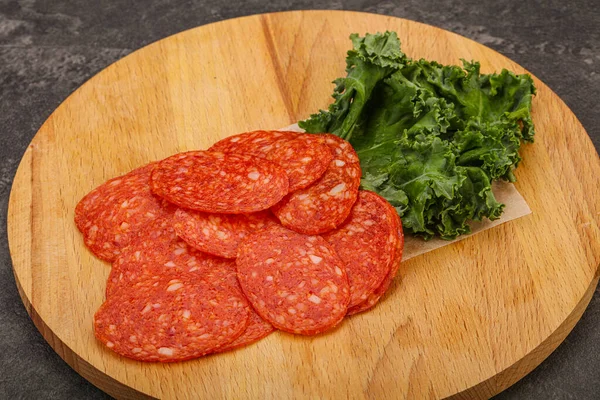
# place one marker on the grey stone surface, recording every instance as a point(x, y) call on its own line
point(49, 48)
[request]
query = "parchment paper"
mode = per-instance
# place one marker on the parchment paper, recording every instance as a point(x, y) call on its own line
point(505, 192)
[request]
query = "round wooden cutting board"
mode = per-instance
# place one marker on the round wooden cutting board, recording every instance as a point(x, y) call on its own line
point(469, 319)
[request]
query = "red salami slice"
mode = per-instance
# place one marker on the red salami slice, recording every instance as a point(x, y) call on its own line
point(110, 215)
point(218, 182)
point(380, 291)
point(257, 329)
point(366, 243)
point(158, 251)
point(305, 159)
point(218, 234)
point(256, 143)
point(296, 282)
point(177, 318)
point(325, 204)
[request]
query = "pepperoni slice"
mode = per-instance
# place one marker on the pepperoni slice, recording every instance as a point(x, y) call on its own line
point(257, 329)
point(366, 243)
point(255, 143)
point(218, 234)
point(325, 204)
point(110, 215)
point(294, 281)
point(219, 183)
point(305, 159)
point(178, 317)
point(380, 291)
point(158, 251)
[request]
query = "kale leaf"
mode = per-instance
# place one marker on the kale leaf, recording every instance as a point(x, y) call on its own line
point(431, 138)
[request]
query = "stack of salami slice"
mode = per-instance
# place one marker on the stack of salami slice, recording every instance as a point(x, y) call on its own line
point(213, 250)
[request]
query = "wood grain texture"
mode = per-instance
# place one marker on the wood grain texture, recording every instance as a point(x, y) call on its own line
point(466, 320)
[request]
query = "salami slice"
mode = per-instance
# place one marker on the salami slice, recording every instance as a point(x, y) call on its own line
point(158, 251)
point(305, 159)
point(366, 243)
point(294, 281)
point(380, 291)
point(177, 318)
point(110, 215)
point(218, 234)
point(255, 143)
point(325, 204)
point(257, 329)
point(219, 183)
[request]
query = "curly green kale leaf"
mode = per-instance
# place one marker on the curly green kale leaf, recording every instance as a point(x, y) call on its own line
point(431, 138)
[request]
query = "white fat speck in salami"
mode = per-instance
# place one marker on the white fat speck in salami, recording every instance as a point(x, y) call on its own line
point(218, 234)
point(292, 280)
point(194, 180)
point(326, 203)
point(366, 242)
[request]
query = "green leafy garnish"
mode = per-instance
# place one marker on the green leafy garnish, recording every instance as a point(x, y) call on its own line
point(431, 138)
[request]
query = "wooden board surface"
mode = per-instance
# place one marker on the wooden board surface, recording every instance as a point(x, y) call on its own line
point(467, 320)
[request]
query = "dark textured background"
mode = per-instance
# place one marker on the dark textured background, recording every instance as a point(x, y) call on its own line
point(49, 48)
